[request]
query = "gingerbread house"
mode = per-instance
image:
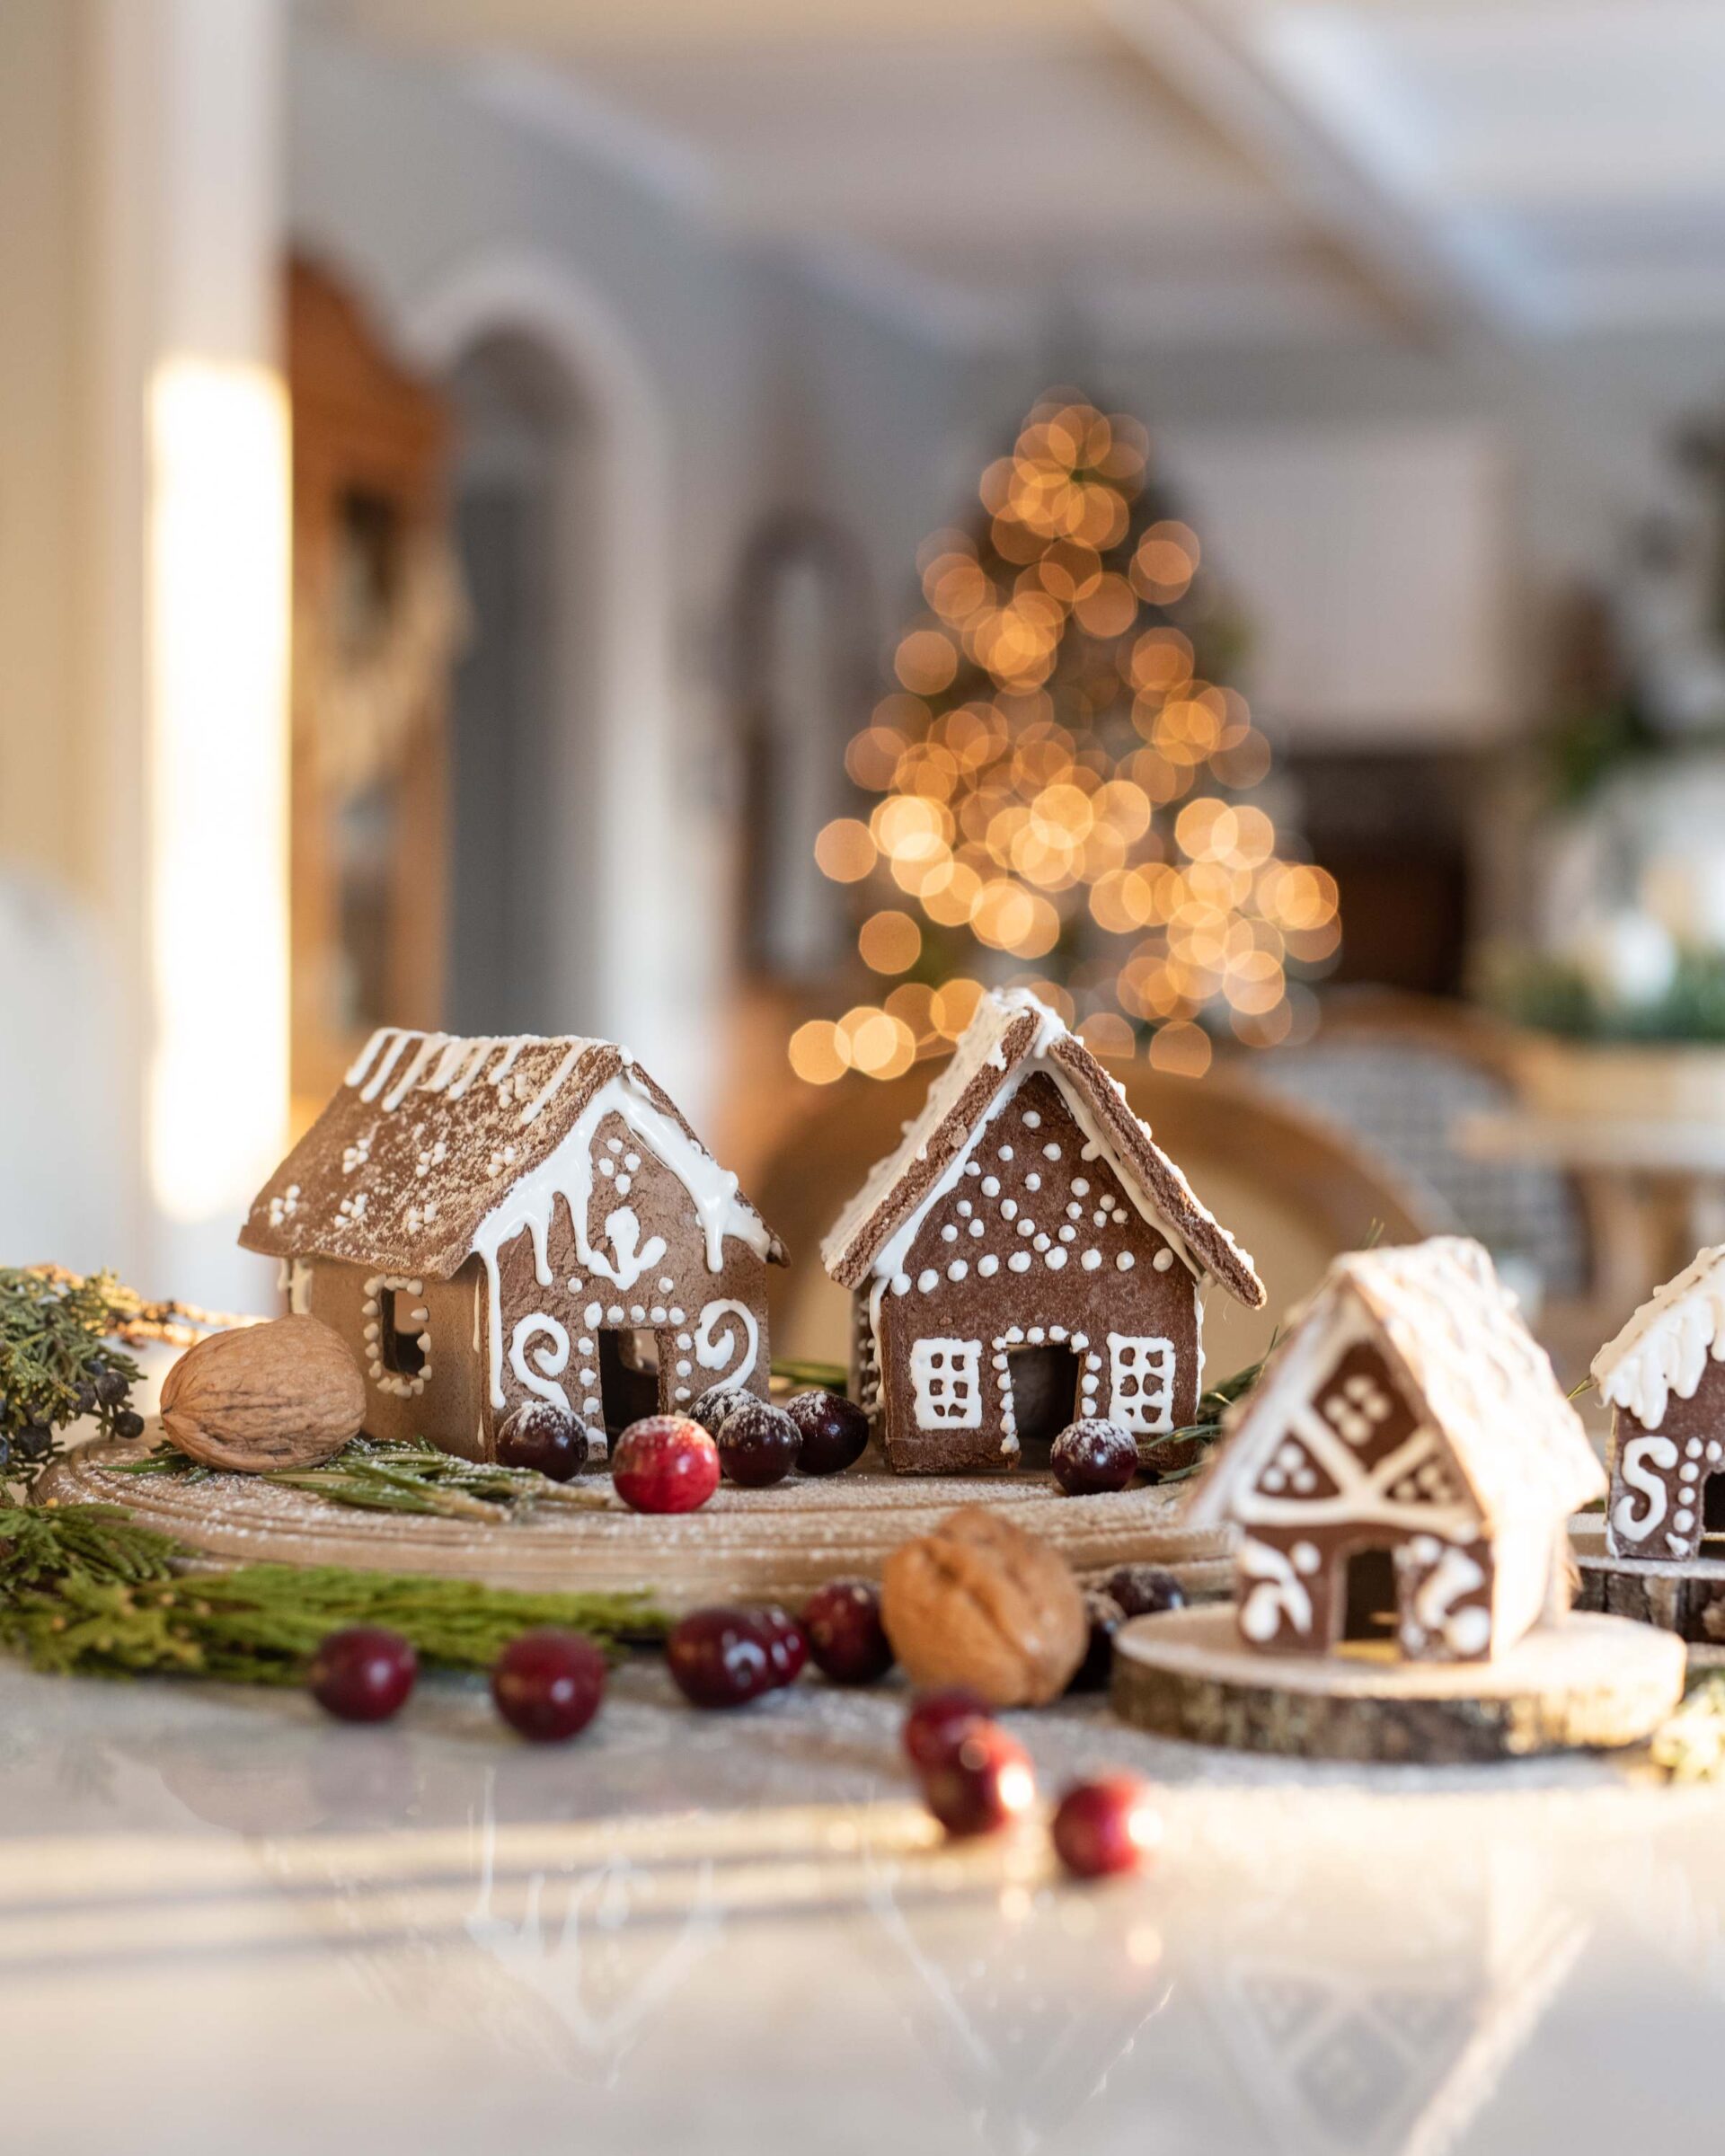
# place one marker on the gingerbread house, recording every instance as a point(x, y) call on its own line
point(1664, 1379)
point(1404, 1470)
point(488, 1221)
point(1028, 1254)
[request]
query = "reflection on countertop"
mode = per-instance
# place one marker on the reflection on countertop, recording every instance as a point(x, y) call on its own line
point(225, 1923)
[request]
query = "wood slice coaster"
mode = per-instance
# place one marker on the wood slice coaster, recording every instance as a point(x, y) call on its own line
point(1687, 1599)
point(1586, 1682)
point(764, 1545)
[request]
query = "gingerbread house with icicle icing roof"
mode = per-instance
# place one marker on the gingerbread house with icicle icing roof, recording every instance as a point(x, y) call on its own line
point(1403, 1471)
point(1663, 1377)
point(488, 1221)
point(1027, 1255)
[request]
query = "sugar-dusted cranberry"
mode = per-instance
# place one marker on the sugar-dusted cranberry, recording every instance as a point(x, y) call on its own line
point(725, 1658)
point(545, 1437)
point(757, 1445)
point(938, 1723)
point(665, 1464)
point(847, 1636)
point(1105, 1618)
point(984, 1785)
point(716, 1403)
point(363, 1673)
point(1105, 1826)
point(1142, 1590)
point(1092, 1456)
point(834, 1430)
point(548, 1684)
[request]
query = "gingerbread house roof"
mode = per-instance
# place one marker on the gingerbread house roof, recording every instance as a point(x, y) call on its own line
point(431, 1136)
point(1666, 1346)
point(1011, 1034)
point(1449, 1327)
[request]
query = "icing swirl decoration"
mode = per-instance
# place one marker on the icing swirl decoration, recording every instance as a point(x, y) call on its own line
point(539, 1369)
point(727, 1329)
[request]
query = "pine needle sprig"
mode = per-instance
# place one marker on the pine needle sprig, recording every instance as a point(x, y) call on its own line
point(379, 1476)
point(83, 1590)
point(58, 1361)
point(1179, 1454)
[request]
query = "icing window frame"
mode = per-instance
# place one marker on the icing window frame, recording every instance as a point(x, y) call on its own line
point(1141, 1373)
point(947, 1378)
point(401, 1348)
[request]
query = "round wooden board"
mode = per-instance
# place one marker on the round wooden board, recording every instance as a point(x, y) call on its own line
point(1586, 1683)
point(1687, 1599)
point(764, 1545)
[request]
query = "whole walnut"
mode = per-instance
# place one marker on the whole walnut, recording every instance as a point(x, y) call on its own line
point(979, 1602)
point(284, 1394)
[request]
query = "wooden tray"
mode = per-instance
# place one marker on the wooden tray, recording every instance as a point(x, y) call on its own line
point(776, 1545)
point(1589, 1682)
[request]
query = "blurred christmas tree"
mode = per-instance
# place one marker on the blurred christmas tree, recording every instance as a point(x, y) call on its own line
point(1064, 780)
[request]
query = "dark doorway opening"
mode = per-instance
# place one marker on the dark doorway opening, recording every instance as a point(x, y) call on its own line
point(1712, 1509)
point(398, 1333)
point(1045, 1393)
point(1368, 1607)
point(628, 1377)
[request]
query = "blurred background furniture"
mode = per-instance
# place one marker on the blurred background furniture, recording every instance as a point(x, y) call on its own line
point(1294, 1190)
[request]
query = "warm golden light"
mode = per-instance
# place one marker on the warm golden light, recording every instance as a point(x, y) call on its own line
point(845, 850)
point(890, 942)
point(219, 613)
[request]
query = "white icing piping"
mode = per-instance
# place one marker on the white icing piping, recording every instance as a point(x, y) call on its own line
point(567, 1172)
point(1666, 1346)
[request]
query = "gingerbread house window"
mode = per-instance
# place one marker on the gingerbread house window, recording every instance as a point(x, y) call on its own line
point(947, 1375)
point(1142, 1379)
point(401, 1321)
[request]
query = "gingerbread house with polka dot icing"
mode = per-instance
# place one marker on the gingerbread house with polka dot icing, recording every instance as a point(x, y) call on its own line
point(493, 1221)
point(1402, 1473)
point(1026, 1256)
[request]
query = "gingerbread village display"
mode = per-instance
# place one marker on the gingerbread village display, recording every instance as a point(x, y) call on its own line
point(1407, 1452)
point(1027, 1255)
point(493, 1222)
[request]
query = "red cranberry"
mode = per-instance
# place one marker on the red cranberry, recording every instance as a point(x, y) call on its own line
point(834, 1430)
point(757, 1445)
point(984, 1785)
point(363, 1673)
point(716, 1403)
point(1106, 1826)
point(1105, 1617)
point(847, 1636)
point(1092, 1456)
point(938, 1723)
point(548, 1684)
point(725, 1658)
point(1142, 1590)
point(665, 1464)
point(545, 1437)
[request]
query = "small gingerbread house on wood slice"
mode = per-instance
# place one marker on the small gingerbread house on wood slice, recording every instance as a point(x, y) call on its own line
point(1404, 1469)
point(488, 1221)
point(1664, 1379)
point(1027, 1256)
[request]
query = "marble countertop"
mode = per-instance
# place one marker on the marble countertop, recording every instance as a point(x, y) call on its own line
point(229, 1924)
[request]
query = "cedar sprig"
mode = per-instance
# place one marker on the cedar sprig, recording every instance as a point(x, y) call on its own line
point(85, 1590)
point(58, 1361)
point(379, 1476)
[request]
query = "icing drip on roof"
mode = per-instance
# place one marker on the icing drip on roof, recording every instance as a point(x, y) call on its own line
point(1666, 1346)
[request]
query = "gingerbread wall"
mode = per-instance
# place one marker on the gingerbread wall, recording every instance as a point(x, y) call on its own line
point(1658, 1505)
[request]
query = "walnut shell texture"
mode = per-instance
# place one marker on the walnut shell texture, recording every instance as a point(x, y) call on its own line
point(980, 1602)
point(284, 1394)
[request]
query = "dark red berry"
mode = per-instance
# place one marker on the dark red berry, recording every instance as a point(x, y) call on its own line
point(1142, 1590)
point(1092, 1456)
point(1106, 1826)
point(716, 1403)
point(725, 1658)
point(757, 1445)
point(665, 1464)
point(984, 1785)
point(548, 1684)
point(938, 1723)
point(545, 1437)
point(833, 1431)
point(1105, 1617)
point(787, 1644)
point(363, 1673)
point(847, 1636)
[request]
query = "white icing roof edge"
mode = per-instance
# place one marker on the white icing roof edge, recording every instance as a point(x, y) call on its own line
point(1666, 1345)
